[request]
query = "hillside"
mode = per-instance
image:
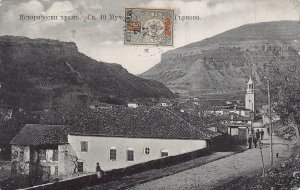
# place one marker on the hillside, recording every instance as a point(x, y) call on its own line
point(222, 64)
point(33, 71)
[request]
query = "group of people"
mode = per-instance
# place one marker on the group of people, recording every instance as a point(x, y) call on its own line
point(258, 136)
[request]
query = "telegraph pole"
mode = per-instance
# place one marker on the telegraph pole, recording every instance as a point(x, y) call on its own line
point(262, 160)
point(271, 127)
point(252, 119)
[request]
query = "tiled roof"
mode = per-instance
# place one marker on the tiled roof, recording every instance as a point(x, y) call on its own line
point(39, 134)
point(202, 123)
point(234, 117)
point(227, 108)
point(137, 123)
point(115, 122)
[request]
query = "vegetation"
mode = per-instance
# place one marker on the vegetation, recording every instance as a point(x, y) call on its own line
point(285, 90)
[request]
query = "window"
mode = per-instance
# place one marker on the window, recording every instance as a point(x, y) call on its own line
point(56, 171)
point(55, 155)
point(49, 155)
point(130, 154)
point(84, 146)
point(21, 155)
point(164, 153)
point(147, 150)
point(112, 153)
point(42, 155)
point(80, 166)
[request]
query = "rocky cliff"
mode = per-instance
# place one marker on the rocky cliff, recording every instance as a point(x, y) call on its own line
point(223, 63)
point(32, 71)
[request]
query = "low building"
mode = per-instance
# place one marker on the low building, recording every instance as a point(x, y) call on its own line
point(122, 137)
point(132, 105)
point(42, 152)
point(239, 133)
point(221, 110)
point(115, 137)
point(233, 118)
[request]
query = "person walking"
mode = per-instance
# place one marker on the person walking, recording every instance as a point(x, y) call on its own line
point(99, 171)
point(255, 142)
point(262, 134)
point(257, 134)
point(250, 142)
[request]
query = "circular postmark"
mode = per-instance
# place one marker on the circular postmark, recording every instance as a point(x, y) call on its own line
point(154, 27)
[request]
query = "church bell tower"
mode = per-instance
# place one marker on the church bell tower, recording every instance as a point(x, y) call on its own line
point(249, 98)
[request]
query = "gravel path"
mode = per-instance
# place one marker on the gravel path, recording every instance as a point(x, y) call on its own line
point(222, 171)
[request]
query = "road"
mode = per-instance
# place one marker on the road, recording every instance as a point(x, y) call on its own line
point(216, 173)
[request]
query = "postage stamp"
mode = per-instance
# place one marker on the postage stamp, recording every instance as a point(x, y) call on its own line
point(149, 26)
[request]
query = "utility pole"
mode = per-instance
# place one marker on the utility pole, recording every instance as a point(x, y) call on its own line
point(271, 127)
point(252, 119)
point(262, 159)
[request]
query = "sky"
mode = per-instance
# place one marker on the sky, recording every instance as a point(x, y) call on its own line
point(102, 40)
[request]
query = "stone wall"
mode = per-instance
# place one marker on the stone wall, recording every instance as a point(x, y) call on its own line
point(20, 157)
point(67, 161)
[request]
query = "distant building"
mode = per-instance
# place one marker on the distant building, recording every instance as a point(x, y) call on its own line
point(239, 133)
point(166, 103)
point(6, 112)
point(234, 118)
point(225, 110)
point(132, 105)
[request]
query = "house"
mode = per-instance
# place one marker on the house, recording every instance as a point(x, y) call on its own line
point(221, 110)
point(42, 152)
point(239, 133)
point(6, 112)
point(121, 137)
point(132, 105)
point(116, 138)
point(233, 118)
point(166, 104)
point(238, 126)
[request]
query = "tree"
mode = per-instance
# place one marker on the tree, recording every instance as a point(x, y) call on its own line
point(284, 80)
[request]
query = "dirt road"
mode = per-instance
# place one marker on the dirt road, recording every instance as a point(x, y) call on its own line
point(222, 171)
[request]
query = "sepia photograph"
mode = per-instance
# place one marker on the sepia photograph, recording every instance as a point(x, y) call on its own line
point(150, 94)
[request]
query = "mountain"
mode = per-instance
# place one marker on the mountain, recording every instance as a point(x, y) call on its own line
point(33, 71)
point(222, 64)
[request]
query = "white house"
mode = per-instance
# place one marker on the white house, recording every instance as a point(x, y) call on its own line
point(132, 105)
point(121, 137)
point(116, 138)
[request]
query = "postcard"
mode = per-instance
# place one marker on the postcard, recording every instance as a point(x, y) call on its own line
point(149, 94)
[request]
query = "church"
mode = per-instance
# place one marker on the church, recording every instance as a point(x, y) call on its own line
point(249, 97)
point(240, 130)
